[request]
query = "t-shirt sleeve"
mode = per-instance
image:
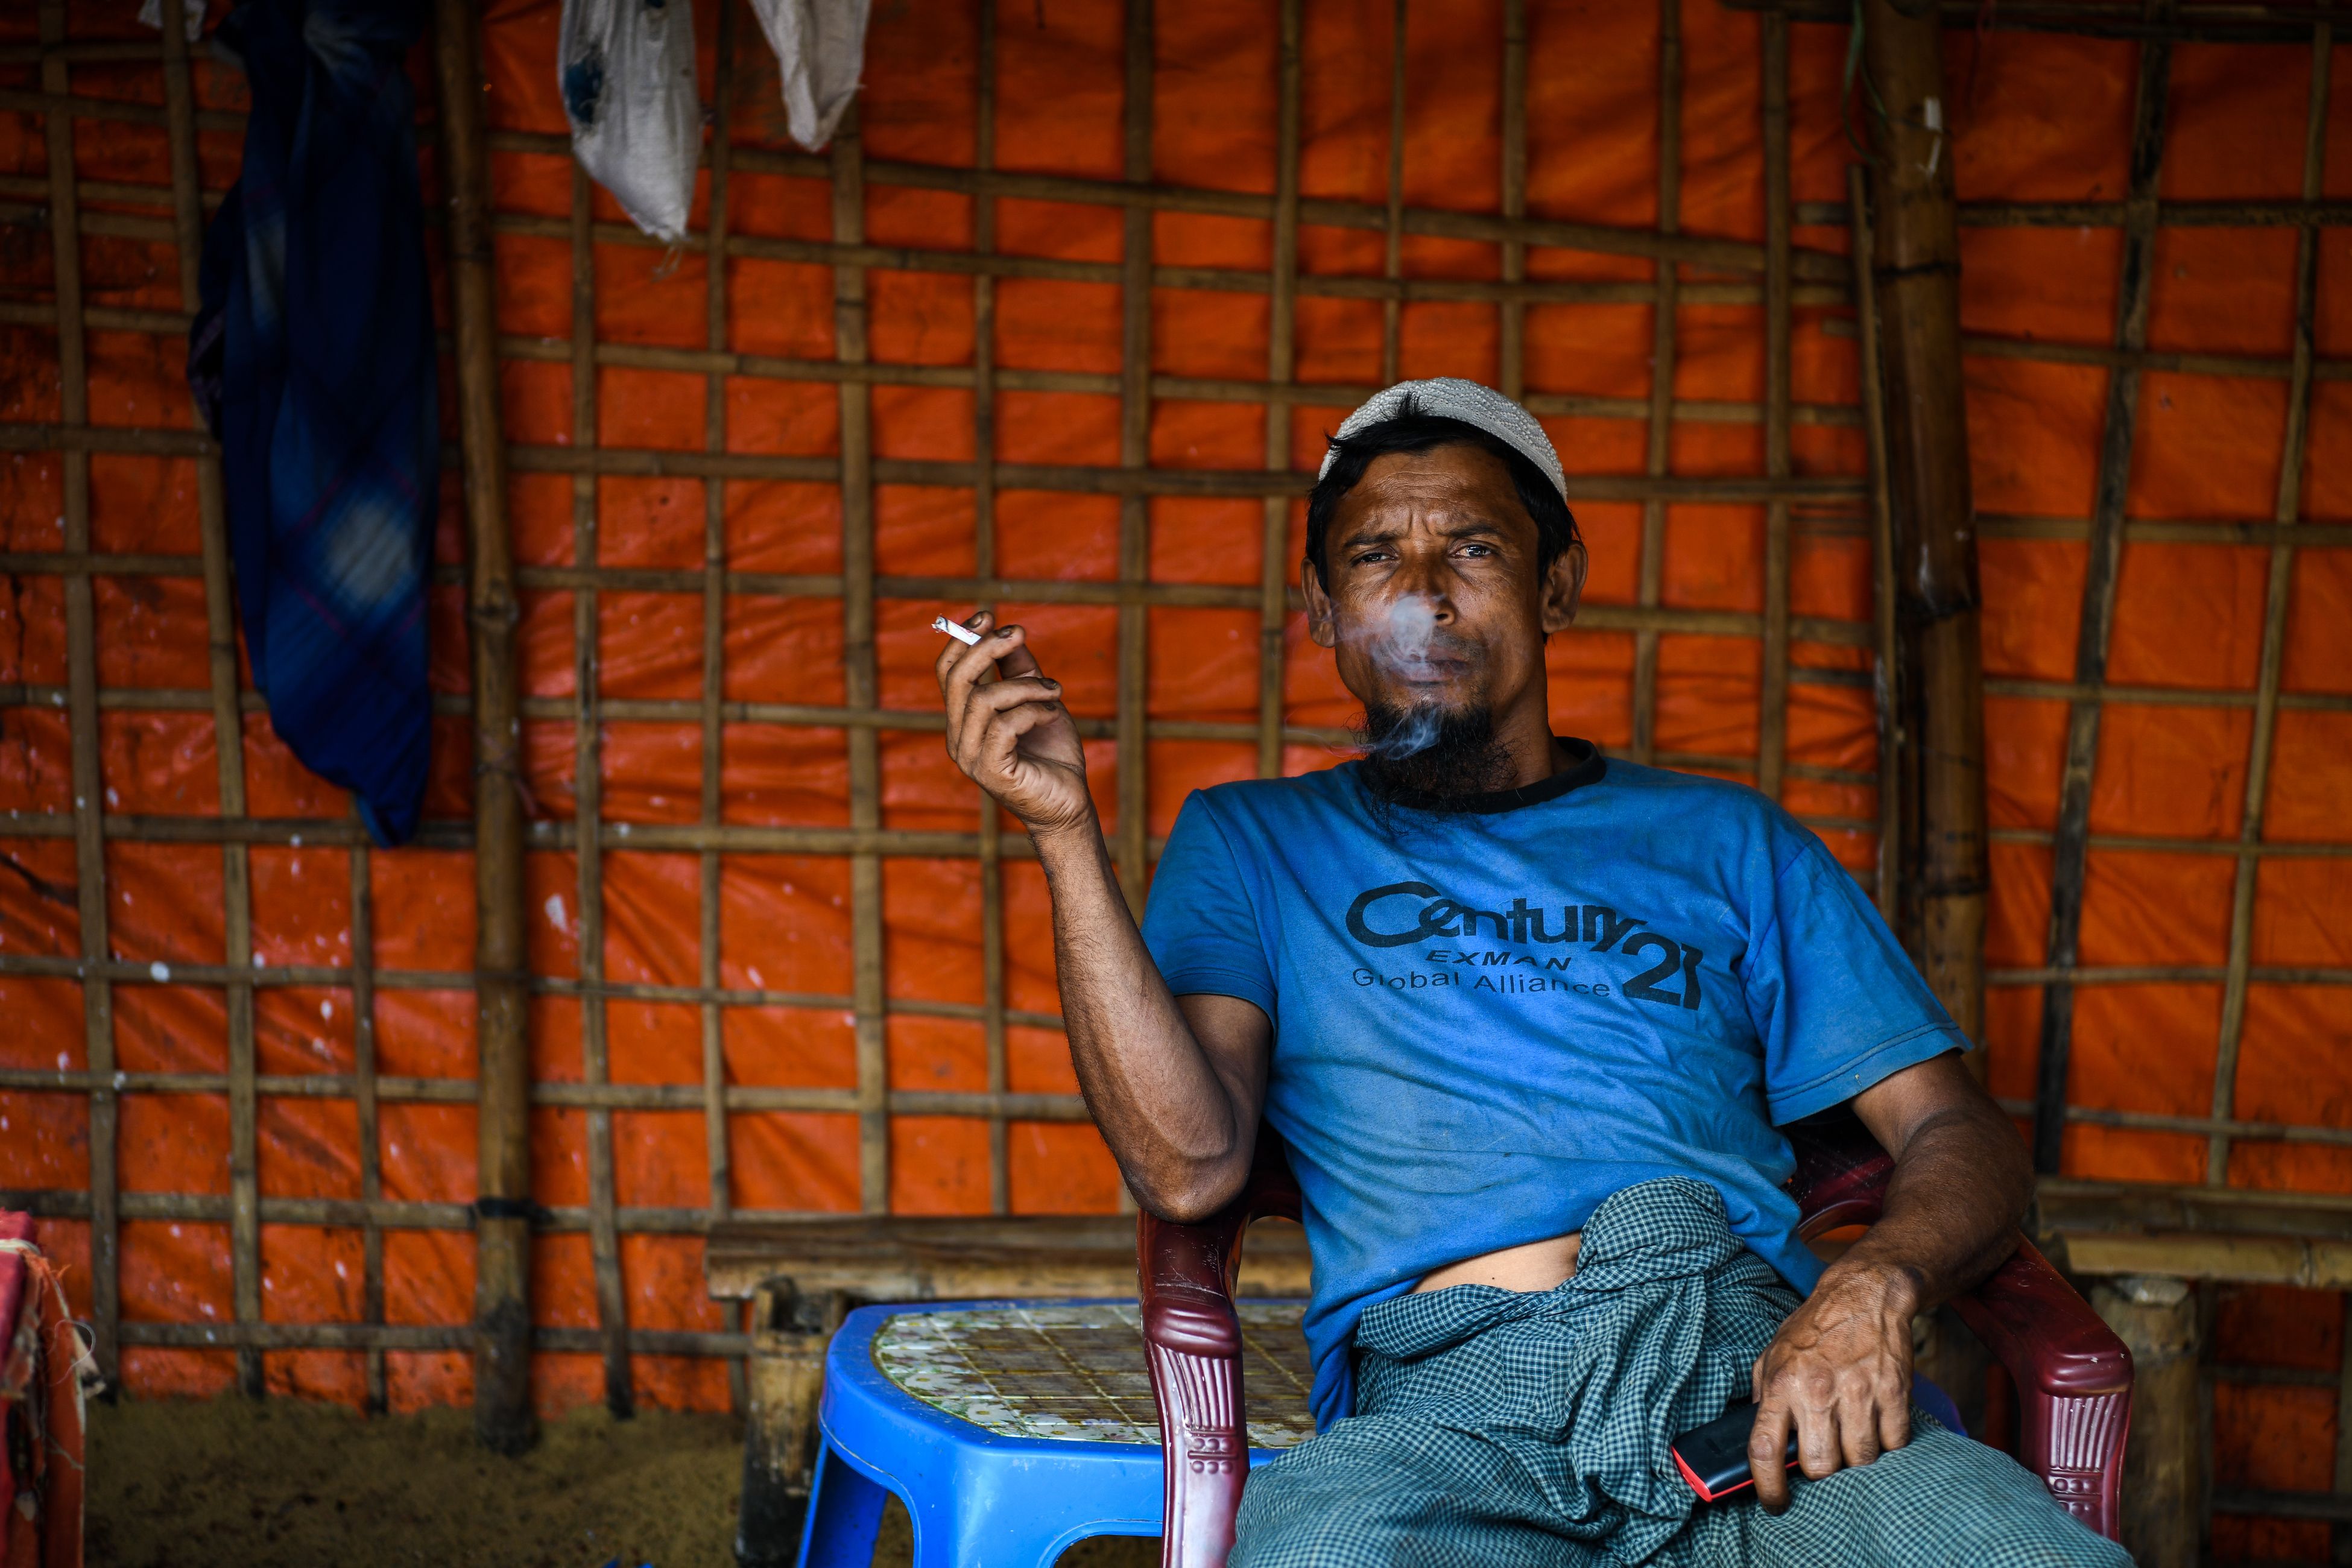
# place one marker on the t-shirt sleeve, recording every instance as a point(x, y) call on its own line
point(1834, 997)
point(1198, 923)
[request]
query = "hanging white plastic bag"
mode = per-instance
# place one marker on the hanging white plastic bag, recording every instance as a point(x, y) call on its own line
point(191, 17)
point(821, 47)
point(625, 69)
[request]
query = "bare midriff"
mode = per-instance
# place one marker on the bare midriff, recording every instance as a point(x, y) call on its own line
point(1532, 1266)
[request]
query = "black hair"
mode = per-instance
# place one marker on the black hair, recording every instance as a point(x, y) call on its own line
point(1410, 430)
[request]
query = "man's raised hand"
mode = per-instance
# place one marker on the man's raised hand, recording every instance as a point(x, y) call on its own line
point(1012, 736)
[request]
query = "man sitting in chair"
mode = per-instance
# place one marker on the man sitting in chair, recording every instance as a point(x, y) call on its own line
point(1529, 1021)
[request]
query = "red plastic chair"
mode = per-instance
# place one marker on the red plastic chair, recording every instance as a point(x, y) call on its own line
point(2074, 1377)
point(43, 1359)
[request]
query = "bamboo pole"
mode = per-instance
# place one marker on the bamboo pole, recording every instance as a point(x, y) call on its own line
point(1917, 255)
point(2070, 851)
point(1335, 394)
point(1023, 1107)
point(503, 1419)
point(1076, 479)
point(1132, 742)
point(1772, 719)
point(1221, 483)
point(2224, 23)
point(965, 264)
point(2277, 605)
point(1130, 482)
point(921, 843)
point(1651, 565)
point(1604, 617)
point(81, 679)
point(1493, 229)
point(1946, 1349)
point(663, 709)
point(1228, 483)
point(1135, 452)
point(588, 794)
point(717, 1152)
point(1392, 223)
point(2107, 1228)
point(408, 1337)
point(365, 1114)
point(1514, 311)
point(860, 674)
point(2156, 1316)
point(1282, 363)
point(934, 847)
point(1218, 279)
point(984, 376)
point(228, 736)
point(244, 1156)
point(1882, 553)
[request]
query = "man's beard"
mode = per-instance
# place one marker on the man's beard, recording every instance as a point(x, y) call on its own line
point(1432, 758)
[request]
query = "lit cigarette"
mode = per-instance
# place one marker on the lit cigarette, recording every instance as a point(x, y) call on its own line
point(961, 633)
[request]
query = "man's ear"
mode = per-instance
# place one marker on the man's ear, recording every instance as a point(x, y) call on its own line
point(1321, 623)
point(1563, 589)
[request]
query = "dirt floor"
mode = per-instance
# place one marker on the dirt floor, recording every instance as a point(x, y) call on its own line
point(261, 1484)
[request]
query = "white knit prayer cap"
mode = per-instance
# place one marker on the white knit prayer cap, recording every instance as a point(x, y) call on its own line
point(1450, 397)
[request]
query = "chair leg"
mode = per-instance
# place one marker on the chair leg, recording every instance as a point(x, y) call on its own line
point(844, 1515)
point(1206, 1453)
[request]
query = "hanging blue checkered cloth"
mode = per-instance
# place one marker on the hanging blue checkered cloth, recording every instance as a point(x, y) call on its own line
point(313, 356)
point(1503, 1429)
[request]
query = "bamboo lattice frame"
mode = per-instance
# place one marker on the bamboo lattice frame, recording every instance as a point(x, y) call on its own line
point(1773, 276)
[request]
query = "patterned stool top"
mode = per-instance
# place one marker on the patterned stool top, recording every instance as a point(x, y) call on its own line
point(1076, 1373)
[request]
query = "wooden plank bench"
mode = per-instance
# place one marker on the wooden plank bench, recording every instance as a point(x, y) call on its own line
point(803, 1276)
point(2228, 1234)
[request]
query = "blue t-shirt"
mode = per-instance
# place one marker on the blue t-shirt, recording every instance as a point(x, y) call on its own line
point(1487, 1022)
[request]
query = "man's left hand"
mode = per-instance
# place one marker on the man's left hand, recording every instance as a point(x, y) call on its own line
point(1839, 1372)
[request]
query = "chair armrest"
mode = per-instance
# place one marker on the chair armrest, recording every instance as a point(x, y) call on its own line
point(1192, 1345)
point(2074, 1380)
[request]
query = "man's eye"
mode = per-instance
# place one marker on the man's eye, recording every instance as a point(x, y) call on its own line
point(1477, 550)
point(1371, 557)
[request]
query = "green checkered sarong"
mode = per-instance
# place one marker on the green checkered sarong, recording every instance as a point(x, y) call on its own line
point(1497, 1429)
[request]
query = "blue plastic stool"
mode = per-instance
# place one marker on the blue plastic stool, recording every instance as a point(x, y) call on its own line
point(978, 1497)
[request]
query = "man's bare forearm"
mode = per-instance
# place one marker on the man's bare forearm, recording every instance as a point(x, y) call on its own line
point(1176, 1126)
point(1180, 1117)
point(1960, 1187)
point(1839, 1372)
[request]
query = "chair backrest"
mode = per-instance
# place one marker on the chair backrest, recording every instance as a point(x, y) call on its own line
point(1272, 1192)
point(1842, 1172)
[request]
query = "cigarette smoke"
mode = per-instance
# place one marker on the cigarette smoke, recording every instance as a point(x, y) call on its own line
point(1400, 637)
point(1416, 734)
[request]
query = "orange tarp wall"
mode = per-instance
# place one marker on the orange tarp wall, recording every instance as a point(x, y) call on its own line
point(2038, 118)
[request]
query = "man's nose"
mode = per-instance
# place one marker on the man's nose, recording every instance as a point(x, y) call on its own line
point(1426, 576)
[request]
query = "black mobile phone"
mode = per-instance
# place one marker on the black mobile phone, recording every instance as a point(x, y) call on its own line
point(1714, 1458)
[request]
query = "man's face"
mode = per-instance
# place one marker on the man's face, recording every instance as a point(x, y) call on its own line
point(1434, 603)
